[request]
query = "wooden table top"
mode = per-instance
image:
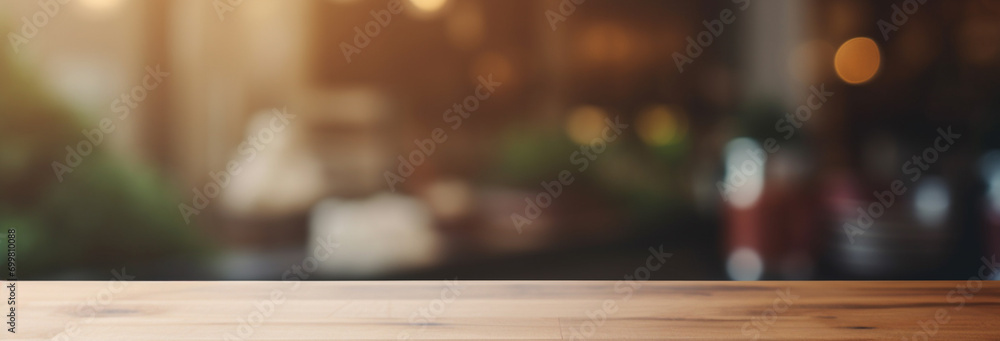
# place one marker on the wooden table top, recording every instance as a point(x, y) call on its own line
point(507, 310)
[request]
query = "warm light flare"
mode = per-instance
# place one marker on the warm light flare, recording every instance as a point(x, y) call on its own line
point(660, 125)
point(585, 124)
point(857, 60)
point(101, 5)
point(428, 6)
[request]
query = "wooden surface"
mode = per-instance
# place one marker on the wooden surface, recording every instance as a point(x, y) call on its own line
point(505, 310)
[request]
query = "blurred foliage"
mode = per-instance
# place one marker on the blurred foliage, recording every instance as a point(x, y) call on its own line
point(106, 214)
point(531, 153)
point(642, 180)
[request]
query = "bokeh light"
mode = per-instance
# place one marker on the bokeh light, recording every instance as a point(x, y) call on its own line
point(989, 168)
point(979, 41)
point(857, 60)
point(606, 43)
point(745, 264)
point(585, 123)
point(449, 199)
point(488, 63)
point(660, 125)
point(101, 6)
point(932, 202)
point(465, 25)
point(741, 164)
point(428, 6)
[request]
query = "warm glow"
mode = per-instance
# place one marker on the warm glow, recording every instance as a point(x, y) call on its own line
point(449, 199)
point(659, 126)
point(491, 63)
point(101, 5)
point(606, 42)
point(585, 124)
point(465, 25)
point(428, 5)
point(857, 60)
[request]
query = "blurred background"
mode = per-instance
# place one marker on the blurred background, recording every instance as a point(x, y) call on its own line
point(192, 173)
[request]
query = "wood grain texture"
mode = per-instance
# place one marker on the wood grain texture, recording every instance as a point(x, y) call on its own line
point(506, 310)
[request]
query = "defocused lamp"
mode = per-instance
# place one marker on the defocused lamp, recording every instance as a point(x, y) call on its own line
point(585, 124)
point(449, 199)
point(741, 164)
point(989, 168)
point(101, 5)
point(932, 202)
point(428, 6)
point(857, 60)
point(744, 264)
point(659, 125)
